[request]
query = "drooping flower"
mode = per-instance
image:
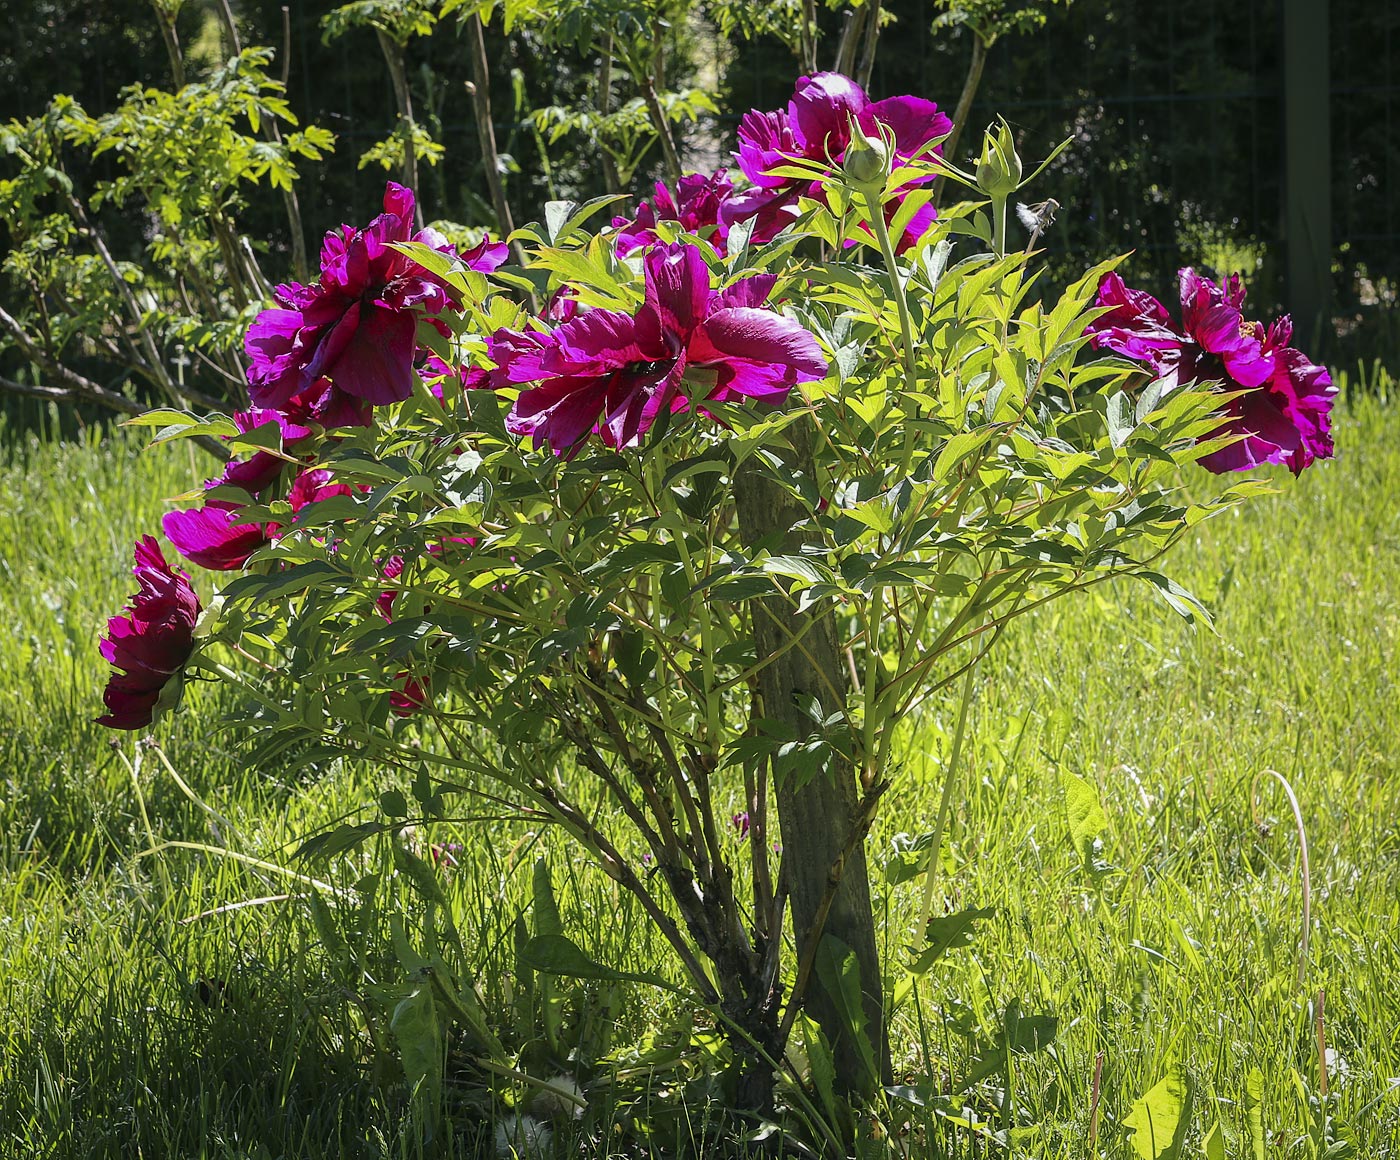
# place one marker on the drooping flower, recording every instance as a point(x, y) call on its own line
point(816, 127)
point(614, 373)
point(695, 205)
point(336, 348)
point(149, 645)
point(1281, 411)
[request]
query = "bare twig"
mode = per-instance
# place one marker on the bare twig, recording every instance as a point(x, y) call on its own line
point(90, 392)
point(403, 96)
point(872, 37)
point(964, 109)
point(480, 89)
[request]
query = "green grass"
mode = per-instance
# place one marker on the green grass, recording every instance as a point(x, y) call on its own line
point(130, 1032)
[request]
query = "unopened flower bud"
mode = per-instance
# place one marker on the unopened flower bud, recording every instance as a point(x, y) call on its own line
point(867, 160)
point(999, 167)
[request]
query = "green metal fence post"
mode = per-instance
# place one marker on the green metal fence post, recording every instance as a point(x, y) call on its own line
point(1307, 184)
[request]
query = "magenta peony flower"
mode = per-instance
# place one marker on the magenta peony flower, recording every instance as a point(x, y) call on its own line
point(1282, 412)
point(695, 205)
point(815, 127)
point(614, 373)
point(148, 647)
point(213, 536)
point(335, 349)
point(409, 697)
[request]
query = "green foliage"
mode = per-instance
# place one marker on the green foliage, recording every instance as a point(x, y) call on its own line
point(184, 160)
point(389, 154)
point(400, 20)
point(990, 20)
point(107, 1023)
point(1159, 1120)
point(592, 618)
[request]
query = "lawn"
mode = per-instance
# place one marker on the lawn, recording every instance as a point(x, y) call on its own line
point(149, 1015)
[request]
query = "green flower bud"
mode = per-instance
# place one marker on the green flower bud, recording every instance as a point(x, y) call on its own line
point(999, 167)
point(867, 161)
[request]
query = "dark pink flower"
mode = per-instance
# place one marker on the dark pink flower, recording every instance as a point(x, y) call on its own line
point(1281, 414)
point(213, 536)
point(816, 127)
point(392, 569)
point(741, 823)
point(150, 644)
point(409, 697)
point(614, 373)
point(695, 205)
point(313, 486)
point(347, 343)
point(1286, 419)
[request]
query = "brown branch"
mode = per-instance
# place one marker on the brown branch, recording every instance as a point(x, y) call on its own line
point(480, 89)
point(274, 134)
point(663, 130)
point(604, 102)
point(394, 57)
point(964, 109)
point(872, 37)
point(89, 392)
point(154, 367)
point(851, 29)
point(172, 43)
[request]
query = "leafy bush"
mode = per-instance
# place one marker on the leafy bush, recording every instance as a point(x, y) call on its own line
point(702, 525)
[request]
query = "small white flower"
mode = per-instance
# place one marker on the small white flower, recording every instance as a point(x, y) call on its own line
point(523, 1138)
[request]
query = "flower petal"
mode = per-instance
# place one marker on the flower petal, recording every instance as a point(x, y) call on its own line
point(820, 112)
point(759, 336)
point(677, 287)
point(914, 121)
point(376, 362)
point(212, 537)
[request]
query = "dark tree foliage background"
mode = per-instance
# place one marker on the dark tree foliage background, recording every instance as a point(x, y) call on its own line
point(1176, 111)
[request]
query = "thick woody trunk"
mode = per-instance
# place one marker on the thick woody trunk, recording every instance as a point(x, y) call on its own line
point(818, 819)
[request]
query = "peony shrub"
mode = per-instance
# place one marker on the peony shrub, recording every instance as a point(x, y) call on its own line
point(695, 511)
